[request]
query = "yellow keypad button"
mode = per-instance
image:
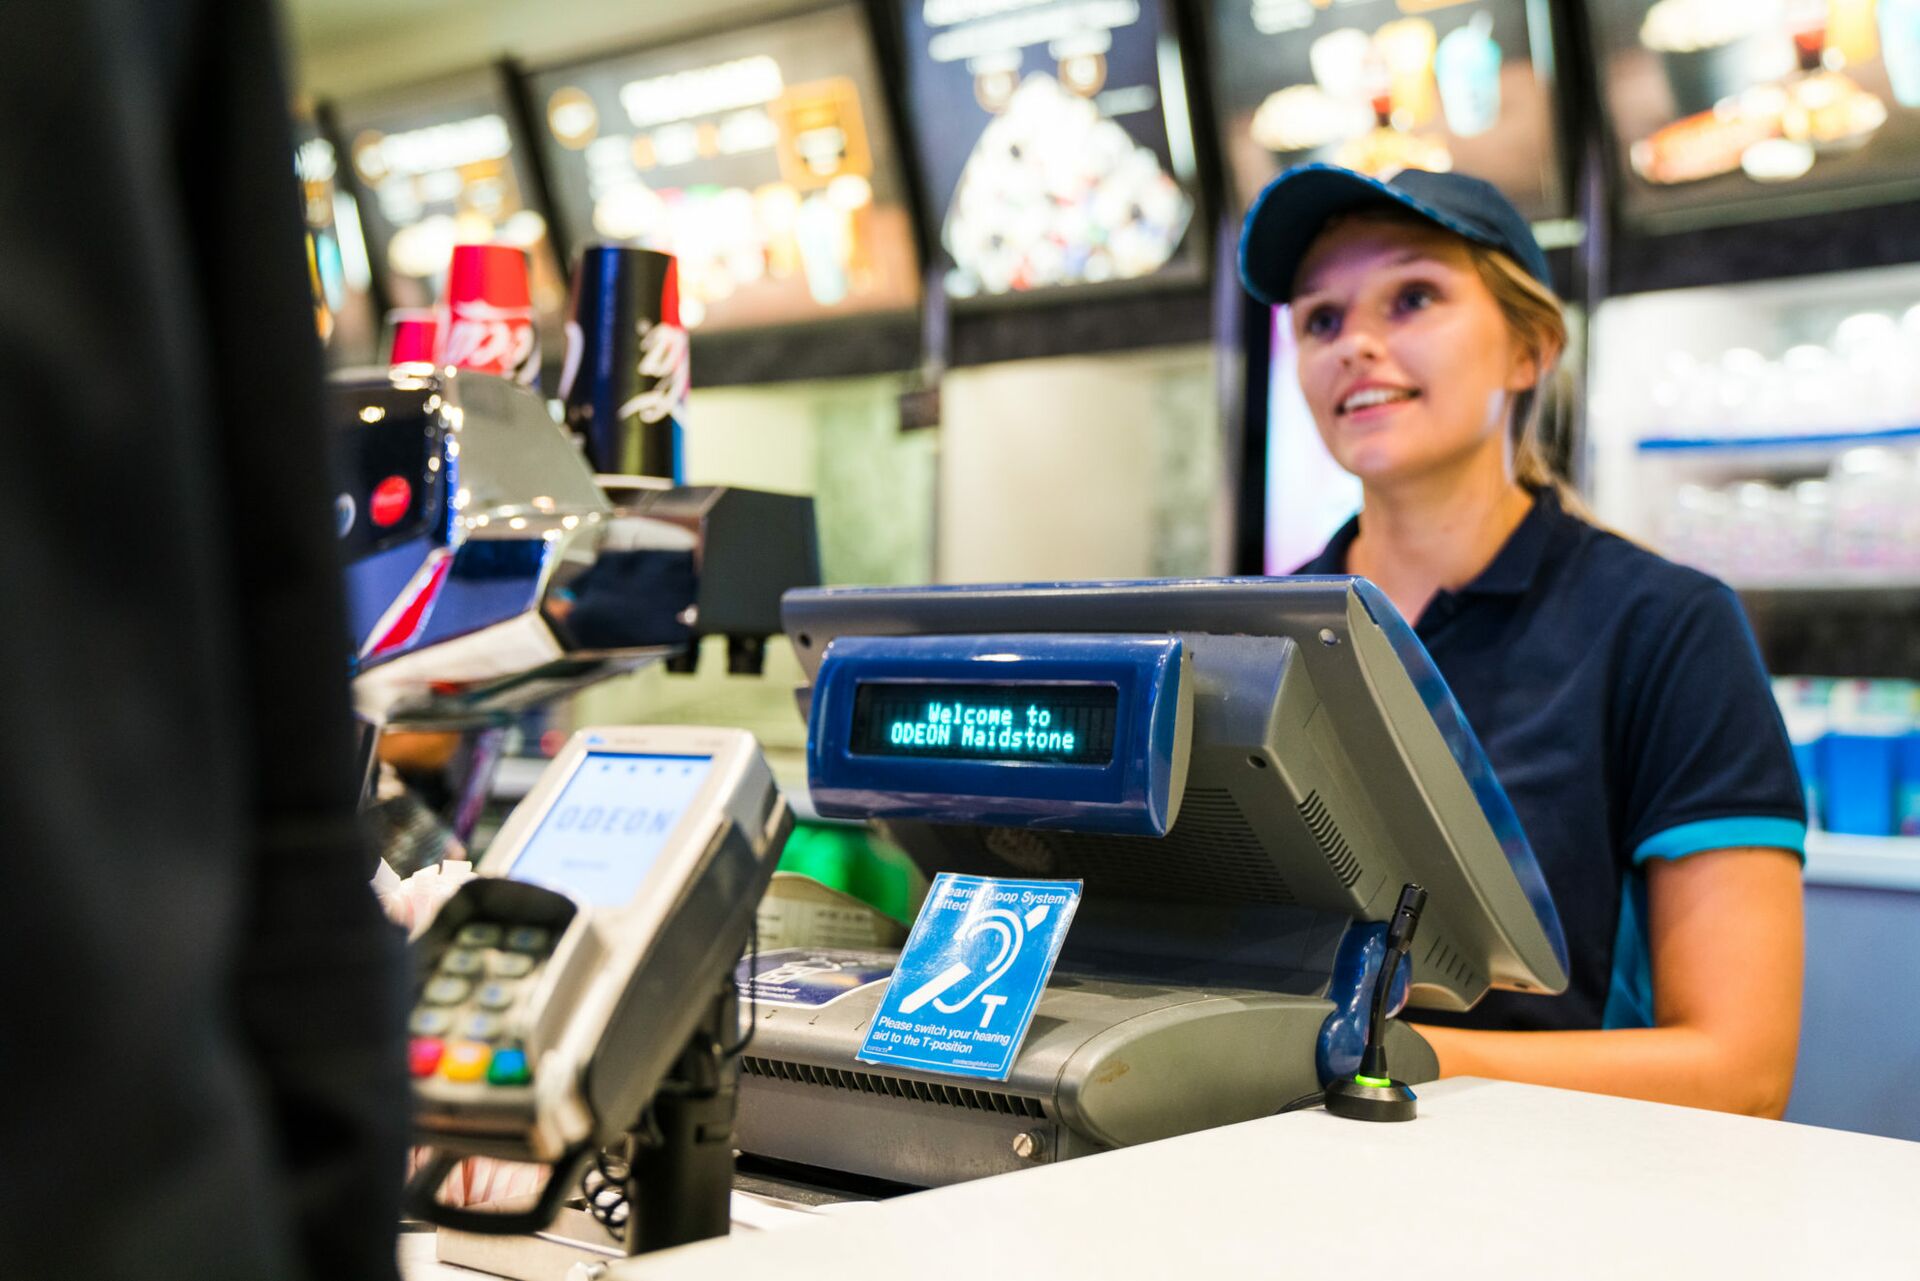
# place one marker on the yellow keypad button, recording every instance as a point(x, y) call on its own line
point(466, 1061)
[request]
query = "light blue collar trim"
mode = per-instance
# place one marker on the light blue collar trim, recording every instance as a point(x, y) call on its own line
point(1725, 834)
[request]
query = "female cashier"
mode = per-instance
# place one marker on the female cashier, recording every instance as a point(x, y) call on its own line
point(1619, 696)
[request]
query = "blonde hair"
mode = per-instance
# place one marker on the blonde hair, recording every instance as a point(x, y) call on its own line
point(1534, 318)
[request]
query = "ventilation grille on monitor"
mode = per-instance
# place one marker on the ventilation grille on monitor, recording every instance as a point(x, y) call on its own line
point(1441, 956)
point(893, 1086)
point(1211, 855)
point(1339, 854)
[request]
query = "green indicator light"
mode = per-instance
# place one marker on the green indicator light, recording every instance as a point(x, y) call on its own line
point(1376, 1082)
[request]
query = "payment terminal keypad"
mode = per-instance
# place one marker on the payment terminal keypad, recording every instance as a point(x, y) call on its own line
point(465, 1028)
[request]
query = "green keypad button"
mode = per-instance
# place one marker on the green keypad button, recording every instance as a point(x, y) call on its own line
point(463, 961)
point(509, 1067)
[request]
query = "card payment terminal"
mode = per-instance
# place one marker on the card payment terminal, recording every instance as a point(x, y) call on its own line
point(582, 977)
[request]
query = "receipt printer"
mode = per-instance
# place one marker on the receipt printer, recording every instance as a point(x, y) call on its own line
point(1243, 774)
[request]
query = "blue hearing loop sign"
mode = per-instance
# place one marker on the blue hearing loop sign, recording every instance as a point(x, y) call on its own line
point(968, 982)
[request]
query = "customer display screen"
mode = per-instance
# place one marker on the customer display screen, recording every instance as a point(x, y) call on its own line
point(1381, 85)
point(1741, 110)
point(1053, 141)
point(1056, 723)
point(761, 158)
point(611, 821)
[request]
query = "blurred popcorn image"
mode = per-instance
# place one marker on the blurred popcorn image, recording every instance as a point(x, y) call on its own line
point(1054, 193)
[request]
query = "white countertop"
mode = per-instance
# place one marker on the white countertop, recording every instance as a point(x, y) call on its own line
point(1493, 1181)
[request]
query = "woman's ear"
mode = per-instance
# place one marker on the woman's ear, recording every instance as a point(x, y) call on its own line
point(1530, 365)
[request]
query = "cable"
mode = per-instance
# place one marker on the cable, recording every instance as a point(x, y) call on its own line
point(604, 1186)
point(753, 996)
point(1313, 1100)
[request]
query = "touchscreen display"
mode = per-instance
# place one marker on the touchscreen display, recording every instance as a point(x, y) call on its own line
point(612, 819)
point(1061, 724)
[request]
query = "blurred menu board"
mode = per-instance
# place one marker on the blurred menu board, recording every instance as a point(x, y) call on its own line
point(1725, 109)
point(760, 158)
point(440, 166)
point(1378, 85)
point(1054, 142)
point(344, 313)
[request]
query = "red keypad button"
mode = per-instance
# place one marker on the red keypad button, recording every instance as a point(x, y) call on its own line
point(423, 1055)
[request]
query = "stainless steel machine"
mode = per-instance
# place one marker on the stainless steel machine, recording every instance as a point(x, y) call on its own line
point(488, 570)
point(1261, 764)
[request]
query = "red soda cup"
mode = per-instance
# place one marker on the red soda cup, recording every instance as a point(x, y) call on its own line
point(490, 313)
point(413, 335)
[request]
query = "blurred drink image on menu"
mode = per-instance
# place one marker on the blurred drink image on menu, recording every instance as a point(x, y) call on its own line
point(439, 166)
point(760, 159)
point(1054, 142)
point(1380, 85)
point(344, 315)
point(1748, 107)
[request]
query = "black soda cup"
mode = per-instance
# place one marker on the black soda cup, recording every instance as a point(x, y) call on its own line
point(626, 375)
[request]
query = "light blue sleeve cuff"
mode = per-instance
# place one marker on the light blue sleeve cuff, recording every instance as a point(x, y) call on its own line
point(1725, 834)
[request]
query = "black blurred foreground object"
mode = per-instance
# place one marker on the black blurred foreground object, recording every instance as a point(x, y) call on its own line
point(203, 1056)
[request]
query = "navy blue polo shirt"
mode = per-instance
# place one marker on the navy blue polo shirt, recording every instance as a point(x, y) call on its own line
point(1624, 706)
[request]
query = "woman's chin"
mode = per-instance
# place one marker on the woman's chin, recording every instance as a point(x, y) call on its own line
point(1376, 465)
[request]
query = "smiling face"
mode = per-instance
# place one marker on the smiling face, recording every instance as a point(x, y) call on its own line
point(1406, 360)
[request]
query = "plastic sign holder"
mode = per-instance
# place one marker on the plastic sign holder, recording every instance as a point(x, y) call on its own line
point(967, 985)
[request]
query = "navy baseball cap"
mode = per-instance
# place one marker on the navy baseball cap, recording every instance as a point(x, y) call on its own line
point(1294, 208)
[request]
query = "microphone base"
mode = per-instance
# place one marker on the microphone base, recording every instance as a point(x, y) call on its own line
point(1358, 1100)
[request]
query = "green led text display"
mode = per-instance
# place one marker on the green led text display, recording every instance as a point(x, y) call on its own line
point(1063, 724)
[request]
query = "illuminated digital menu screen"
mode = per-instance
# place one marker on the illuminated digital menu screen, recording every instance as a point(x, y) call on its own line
point(1053, 140)
point(1063, 724)
point(344, 313)
point(439, 167)
point(1381, 85)
point(761, 158)
point(1725, 109)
